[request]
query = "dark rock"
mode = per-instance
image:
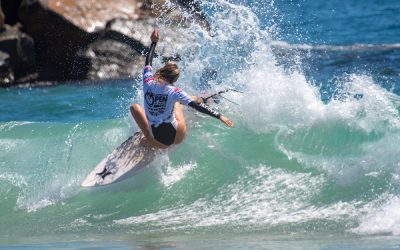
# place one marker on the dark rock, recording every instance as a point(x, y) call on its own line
point(6, 71)
point(57, 41)
point(111, 58)
point(119, 51)
point(10, 9)
point(2, 19)
point(20, 49)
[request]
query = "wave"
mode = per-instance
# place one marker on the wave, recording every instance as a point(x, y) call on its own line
point(352, 47)
point(293, 162)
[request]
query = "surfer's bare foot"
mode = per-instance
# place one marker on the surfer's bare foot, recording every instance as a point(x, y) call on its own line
point(145, 142)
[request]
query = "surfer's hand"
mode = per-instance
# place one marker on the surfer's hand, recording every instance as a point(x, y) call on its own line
point(225, 120)
point(154, 36)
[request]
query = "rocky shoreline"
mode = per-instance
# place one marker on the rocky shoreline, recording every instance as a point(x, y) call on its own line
point(72, 40)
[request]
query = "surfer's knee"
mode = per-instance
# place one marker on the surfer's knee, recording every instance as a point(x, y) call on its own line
point(135, 106)
point(135, 109)
point(179, 140)
point(180, 133)
point(179, 113)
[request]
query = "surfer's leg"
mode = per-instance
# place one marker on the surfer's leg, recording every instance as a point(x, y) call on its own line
point(140, 117)
point(181, 129)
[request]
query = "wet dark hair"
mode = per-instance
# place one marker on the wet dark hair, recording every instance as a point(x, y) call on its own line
point(170, 72)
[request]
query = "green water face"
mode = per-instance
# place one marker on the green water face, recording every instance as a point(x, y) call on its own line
point(219, 180)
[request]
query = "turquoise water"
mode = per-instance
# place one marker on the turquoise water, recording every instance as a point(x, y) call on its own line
point(313, 161)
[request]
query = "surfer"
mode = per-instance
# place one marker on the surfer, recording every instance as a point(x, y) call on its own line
point(162, 121)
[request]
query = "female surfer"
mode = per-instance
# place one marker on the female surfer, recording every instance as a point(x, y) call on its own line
point(162, 121)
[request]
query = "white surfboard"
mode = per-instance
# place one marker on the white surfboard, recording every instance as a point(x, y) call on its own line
point(124, 161)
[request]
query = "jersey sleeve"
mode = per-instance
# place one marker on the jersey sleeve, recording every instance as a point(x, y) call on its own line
point(201, 107)
point(148, 74)
point(182, 96)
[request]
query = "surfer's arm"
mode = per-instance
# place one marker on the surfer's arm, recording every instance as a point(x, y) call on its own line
point(197, 103)
point(150, 55)
point(201, 107)
point(148, 70)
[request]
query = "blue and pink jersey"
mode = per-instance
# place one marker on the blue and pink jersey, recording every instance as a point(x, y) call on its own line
point(159, 99)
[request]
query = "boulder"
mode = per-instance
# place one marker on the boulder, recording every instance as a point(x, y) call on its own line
point(57, 41)
point(10, 9)
point(6, 71)
point(119, 51)
point(20, 50)
point(2, 18)
point(113, 55)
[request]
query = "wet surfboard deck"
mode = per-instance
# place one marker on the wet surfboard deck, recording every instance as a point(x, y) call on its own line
point(123, 162)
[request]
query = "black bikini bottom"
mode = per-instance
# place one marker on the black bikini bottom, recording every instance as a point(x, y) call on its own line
point(164, 133)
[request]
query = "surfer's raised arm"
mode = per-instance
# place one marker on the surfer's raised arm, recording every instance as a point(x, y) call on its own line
point(154, 40)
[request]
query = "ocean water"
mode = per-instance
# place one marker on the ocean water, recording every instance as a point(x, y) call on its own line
point(313, 162)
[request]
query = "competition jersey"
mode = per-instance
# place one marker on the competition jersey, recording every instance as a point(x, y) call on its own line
point(159, 99)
